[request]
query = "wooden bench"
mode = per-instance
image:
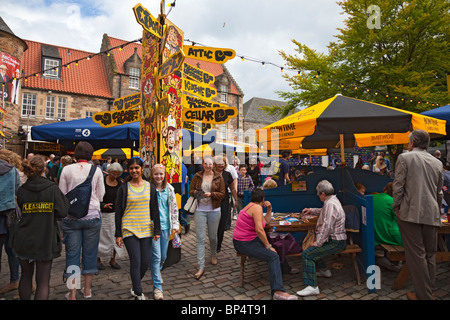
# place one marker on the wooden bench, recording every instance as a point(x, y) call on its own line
point(351, 249)
point(397, 253)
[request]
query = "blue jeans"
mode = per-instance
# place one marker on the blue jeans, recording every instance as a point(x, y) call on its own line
point(140, 254)
point(159, 256)
point(256, 249)
point(203, 219)
point(13, 261)
point(81, 238)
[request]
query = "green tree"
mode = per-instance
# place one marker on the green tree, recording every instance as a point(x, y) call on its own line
point(398, 58)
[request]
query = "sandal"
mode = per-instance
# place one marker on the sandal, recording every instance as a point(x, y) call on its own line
point(86, 296)
point(114, 265)
point(199, 274)
point(67, 296)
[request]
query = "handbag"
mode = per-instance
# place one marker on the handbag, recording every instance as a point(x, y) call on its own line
point(309, 239)
point(176, 241)
point(80, 196)
point(191, 205)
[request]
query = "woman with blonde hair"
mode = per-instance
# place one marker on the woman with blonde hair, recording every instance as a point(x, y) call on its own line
point(169, 221)
point(210, 186)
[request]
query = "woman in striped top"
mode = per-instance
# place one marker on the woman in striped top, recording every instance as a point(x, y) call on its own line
point(137, 223)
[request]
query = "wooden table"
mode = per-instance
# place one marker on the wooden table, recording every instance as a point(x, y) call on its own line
point(442, 254)
point(297, 226)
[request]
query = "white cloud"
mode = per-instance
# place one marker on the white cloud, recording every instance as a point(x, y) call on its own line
point(254, 28)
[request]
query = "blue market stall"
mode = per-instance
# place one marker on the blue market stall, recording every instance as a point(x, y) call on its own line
point(68, 133)
point(285, 200)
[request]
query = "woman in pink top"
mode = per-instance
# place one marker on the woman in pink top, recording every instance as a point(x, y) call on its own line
point(249, 238)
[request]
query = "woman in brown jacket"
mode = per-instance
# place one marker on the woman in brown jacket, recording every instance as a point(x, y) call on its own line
point(210, 187)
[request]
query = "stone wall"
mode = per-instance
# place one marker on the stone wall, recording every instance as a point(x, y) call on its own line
point(15, 47)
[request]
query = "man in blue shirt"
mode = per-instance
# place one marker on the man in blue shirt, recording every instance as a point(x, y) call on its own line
point(282, 177)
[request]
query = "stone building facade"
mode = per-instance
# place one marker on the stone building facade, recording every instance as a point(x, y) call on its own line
point(15, 47)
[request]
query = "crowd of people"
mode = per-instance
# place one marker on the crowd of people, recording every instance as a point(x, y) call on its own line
point(127, 211)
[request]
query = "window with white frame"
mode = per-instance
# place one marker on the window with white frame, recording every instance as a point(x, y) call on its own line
point(89, 114)
point(134, 74)
point(50, 107)
point(49, 65)
point(62, 108)
point(29, 105)
point(223, 94)
point(223, 131)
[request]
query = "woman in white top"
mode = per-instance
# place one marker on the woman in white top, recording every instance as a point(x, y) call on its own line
point(81, 236)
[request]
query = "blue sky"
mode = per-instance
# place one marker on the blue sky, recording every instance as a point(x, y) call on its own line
point(254, 28)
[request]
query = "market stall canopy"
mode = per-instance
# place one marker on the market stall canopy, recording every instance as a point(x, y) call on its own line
point(119, 153)
point(328, 123)
point(68, 133)
point(442, 113)
point(211, 149)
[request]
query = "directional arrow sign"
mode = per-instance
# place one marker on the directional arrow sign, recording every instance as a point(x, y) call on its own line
point(197, 89)
point(171, 65)
point(209, 115)
point(197, 74)
point(115, 118)
point(215, 55)
point(128, 102)
point(147, 21)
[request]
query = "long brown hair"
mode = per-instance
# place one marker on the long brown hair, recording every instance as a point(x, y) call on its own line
point(34, 167)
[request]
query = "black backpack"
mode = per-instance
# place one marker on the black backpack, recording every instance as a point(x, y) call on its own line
point(80, 196)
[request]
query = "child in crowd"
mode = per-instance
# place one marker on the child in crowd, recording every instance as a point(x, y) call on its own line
point(244, 182)
point(168, 212)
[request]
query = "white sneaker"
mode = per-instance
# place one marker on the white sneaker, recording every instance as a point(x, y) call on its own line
point(323, 273)
point(158, 295)
point(141, 297)
point(309, 291)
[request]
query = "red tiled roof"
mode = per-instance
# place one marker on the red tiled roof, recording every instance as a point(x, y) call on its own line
point(121, 56)
point(88, 78)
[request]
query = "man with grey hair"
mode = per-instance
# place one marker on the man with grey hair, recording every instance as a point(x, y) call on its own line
point(417, 193)
point(330, 238)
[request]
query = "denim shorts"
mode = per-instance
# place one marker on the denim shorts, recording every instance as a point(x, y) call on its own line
point(81, 238)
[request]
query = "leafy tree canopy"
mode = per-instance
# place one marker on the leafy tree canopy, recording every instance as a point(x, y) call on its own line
point(394, 53)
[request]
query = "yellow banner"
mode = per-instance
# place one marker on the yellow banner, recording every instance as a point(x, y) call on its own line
point(147, 21)
point(381, 139)
point(198, 89)
point(215, 55)
point(109, 119)
point(128, 102)
point(197, 74)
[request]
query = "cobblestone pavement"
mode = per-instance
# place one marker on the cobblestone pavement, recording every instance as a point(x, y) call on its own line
point(221, 281)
